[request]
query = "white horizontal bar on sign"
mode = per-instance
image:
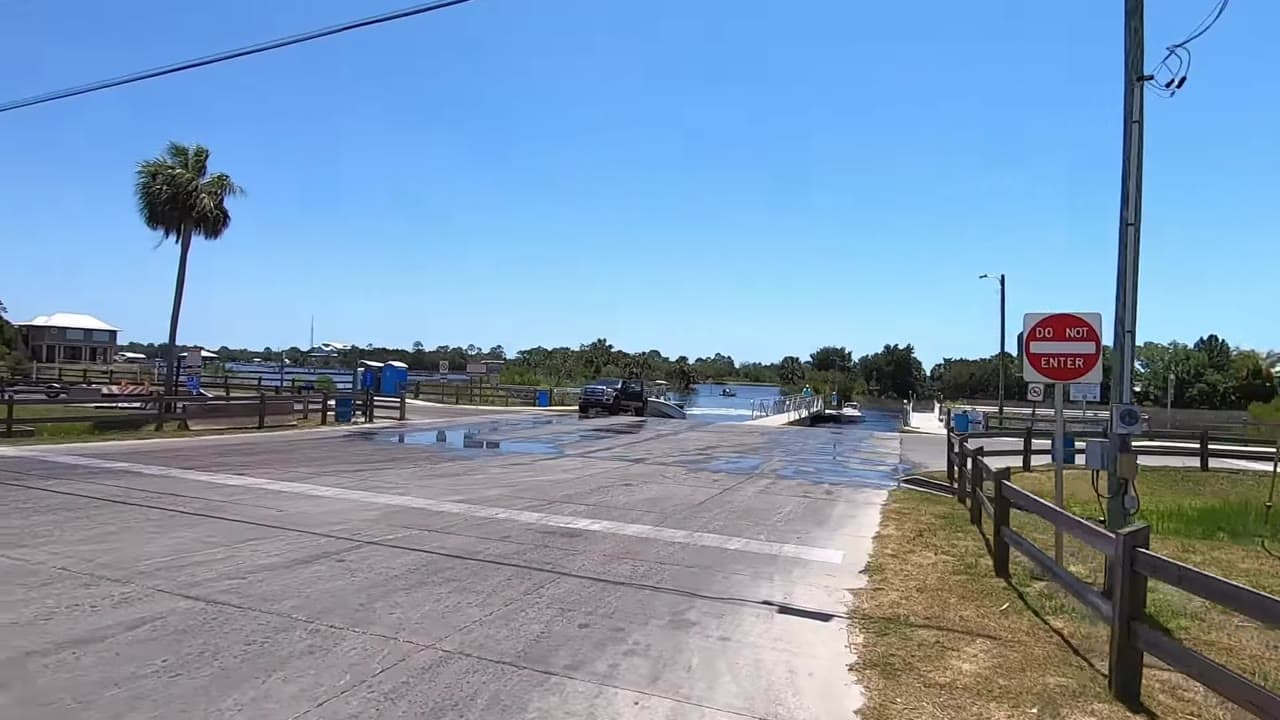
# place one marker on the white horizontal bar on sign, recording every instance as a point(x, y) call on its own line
point(1049, 347)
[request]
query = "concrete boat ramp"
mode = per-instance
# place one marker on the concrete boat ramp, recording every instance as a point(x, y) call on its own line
point(482, 565)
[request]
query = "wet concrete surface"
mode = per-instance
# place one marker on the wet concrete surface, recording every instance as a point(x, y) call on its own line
point(524, 566)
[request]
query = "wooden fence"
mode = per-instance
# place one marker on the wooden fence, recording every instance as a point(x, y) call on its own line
point(1130, 565)
point(450, 392)
point(1168, 443)
point(159, 410)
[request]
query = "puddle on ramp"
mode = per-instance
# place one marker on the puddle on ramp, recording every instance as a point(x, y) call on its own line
point(465, 439)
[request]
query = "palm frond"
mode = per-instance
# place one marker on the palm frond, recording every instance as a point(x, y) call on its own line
point(176, 192)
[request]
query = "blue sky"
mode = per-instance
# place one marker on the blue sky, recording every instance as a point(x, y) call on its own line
point(756, 178)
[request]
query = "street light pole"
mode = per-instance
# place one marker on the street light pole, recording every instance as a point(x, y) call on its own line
point(1000, 357)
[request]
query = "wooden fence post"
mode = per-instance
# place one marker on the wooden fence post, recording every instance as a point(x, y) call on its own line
point(1128, 603)
point(262, 410)
point(951, 460)
point(368, 406)
point(226, 385)
point(999, 521)
point(1204, 451)
point(975, 488)
point(111, 376)
point(324, 407)
point(85, 380)
point(1026, 450)
point(962, 470)
point(159, 398)
point(8, 416)
point(417, 389)
point(306, 405)
point(457, 394)
point(402, 405)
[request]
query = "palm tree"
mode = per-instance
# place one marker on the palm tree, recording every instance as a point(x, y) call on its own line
point(790, 370)
point(179, 197)
point(685, 376)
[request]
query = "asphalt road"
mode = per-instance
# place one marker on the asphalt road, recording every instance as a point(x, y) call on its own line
point(532, 567)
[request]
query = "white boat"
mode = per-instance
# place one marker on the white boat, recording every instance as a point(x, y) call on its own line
point(729, 392)
point(851, 413)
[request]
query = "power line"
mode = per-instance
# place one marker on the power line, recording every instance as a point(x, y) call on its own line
point(1181, 52)
point(227, 55)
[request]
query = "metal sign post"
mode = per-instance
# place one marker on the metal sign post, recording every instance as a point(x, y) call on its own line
point(1059, 454)
point(1061, 348)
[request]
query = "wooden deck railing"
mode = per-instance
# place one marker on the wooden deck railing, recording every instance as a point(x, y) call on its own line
point(1131, 564)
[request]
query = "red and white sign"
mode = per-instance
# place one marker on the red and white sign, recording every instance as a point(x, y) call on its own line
point(1062, 347)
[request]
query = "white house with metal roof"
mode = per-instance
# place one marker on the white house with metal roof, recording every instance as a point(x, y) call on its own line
point(69, 337)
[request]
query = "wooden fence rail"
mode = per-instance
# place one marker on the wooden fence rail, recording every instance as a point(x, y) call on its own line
point(1160, 443)
point(159, 409)
point(1131, 564)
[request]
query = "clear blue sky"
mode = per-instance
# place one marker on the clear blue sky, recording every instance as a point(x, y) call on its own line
point(765, 177)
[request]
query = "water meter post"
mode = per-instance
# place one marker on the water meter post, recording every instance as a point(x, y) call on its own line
point(1061, 348)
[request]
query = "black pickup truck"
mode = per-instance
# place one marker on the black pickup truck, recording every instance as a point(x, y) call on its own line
point(613, 396)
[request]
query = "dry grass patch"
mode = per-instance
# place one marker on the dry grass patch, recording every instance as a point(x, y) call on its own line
point(942, 637)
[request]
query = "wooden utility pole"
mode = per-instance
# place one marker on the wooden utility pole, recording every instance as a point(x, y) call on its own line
point(1125, 320)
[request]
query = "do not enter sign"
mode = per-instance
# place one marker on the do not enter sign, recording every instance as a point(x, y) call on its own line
point(1062, 347)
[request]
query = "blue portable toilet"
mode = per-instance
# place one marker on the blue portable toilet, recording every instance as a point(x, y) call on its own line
point(543, 398)
point(369, 370)
point(395, 375)
point(344, 409)
point(960, 422)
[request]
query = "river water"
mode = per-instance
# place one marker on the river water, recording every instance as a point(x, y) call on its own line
point(705, 403)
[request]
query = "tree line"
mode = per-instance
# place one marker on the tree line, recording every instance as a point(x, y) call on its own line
point(1208, 374)
point(893, 371)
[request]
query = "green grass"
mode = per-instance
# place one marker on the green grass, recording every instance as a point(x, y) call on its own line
point(942, 637)
point(1222, 505)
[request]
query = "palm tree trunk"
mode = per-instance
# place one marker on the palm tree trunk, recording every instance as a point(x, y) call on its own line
point(171, 380)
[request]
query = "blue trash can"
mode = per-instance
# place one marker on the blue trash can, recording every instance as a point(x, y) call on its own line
point(343, 409)
point(1069, 450)
point(543, 398)
point(960, 422)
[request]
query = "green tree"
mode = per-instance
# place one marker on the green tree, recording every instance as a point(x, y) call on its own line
point(13, 355)
point(638, 366)
point(180, 198)
point(684, 376)
point(417, 345)
point(1253, 381)
point(790, 370)
point(830, 358)
point(893, 372)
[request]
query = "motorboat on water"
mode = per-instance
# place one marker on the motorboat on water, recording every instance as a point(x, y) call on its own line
point(728, 392)
point(851, 413)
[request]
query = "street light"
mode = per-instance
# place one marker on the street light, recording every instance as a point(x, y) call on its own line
point(1000, 357)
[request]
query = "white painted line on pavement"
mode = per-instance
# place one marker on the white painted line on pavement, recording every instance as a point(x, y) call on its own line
point(686, 537)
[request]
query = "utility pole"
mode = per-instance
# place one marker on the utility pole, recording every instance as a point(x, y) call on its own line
point(1000, 410)
point(1000, 357)
point(1122, 345)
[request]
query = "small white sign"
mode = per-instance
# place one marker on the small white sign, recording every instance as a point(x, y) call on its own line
point(195, 358)
point(1084, 392)
point(444, 366)
point(1035, 392)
